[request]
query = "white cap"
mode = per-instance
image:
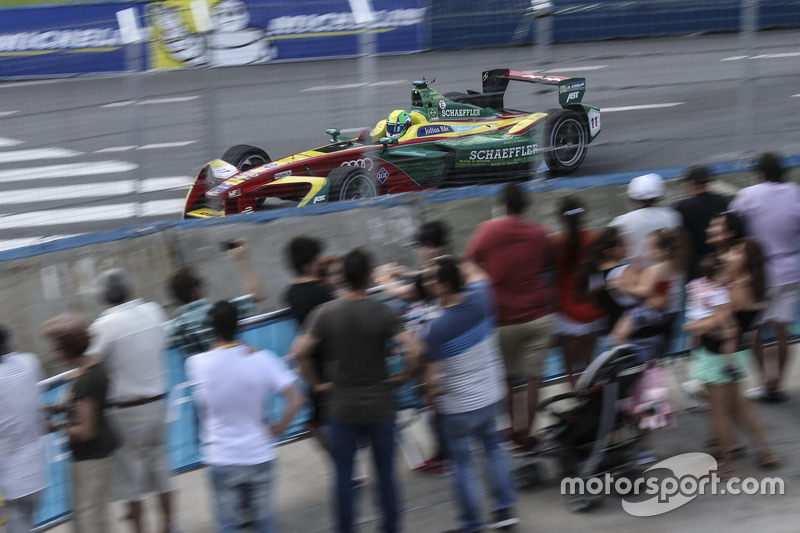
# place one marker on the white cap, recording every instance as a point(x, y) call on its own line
point(647, 187)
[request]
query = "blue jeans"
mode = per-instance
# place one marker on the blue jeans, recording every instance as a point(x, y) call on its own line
point(230, 482)
point(344, 439)
point(461, 430)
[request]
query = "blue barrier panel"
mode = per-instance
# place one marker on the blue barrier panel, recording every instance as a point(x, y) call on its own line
point(476, 24)
point(46, 41)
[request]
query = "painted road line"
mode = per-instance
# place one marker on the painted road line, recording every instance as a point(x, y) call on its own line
point(171, 100)
point(638, 107)
point(10, 244)
point(75, 215)
point(388, 82)
point(96, 190)
point(576, 69)
point(15, 156)
point(165, 145)
point(70, 170)
point(333, 87)
point(115, 149)
point(8, 142)
point(763, 56)
point(795, 96)
point(7, 113)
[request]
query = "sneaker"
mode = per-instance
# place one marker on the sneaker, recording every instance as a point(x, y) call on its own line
point(359, 481)
point(756, 393)
point(434, 467)
point(503, 519)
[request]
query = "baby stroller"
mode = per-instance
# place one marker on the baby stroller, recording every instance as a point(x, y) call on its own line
point(593, 434)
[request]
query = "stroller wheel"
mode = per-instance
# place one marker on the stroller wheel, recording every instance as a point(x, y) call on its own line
point(529, 476)
point(580, 503)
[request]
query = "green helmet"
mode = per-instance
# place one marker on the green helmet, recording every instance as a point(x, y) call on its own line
point(398, 123)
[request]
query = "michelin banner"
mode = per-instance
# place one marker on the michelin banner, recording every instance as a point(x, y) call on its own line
point(48, 41)
point(244, 32)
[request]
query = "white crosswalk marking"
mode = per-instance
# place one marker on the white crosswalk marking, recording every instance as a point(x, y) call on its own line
point(16, 156)
point(171, 100)
point(95, 190)
point(74, 215)
point(8, 142)
point(69, 170)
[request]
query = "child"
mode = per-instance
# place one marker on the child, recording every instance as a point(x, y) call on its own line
point(655, 286)
point(704, 296)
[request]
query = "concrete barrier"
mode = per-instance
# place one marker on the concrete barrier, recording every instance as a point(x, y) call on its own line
point(40, 281)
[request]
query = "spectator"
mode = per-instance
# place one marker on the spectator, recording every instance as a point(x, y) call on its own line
point(305, 293)
point(329, 270)
point(607, 270)
point(646, 217)
point(657, 286)
point(771, 214)
point(466, 379)
point(515, 255)
point(578, 320)
point(414, 286)
point(91, 439)
point(745, 264)
point(353, 332)
point(21, 447)
point(724, 230)
point(231, 384)
point(697, 211)
point(128, 337)
point(189, 330)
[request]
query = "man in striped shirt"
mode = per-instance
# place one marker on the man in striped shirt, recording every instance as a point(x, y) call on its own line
point(466, 381)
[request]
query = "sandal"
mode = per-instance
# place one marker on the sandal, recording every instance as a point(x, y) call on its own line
point(726, 471)
point(768, 460)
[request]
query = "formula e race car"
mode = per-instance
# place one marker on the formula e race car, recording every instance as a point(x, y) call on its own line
point(441, 141)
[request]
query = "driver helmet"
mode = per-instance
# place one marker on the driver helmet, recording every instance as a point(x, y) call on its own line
point(398, 123)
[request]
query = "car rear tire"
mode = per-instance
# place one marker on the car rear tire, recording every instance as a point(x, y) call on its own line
point(351, 183)
point(566, 140)
point(245, 157)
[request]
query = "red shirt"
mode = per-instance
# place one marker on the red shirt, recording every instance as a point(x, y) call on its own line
point(571, 303)
point(514, 253)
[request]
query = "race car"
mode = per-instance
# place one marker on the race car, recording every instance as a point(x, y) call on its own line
point(443, 140)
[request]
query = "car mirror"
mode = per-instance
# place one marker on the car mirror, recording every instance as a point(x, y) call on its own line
point(334, 133)
point(386, 141)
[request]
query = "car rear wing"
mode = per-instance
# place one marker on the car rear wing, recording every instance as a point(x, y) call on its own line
point(570, 90)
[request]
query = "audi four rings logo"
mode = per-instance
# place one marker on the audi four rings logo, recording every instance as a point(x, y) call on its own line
point(365, 163)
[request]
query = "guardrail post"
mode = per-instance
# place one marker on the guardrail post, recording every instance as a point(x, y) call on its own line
point(368, 68)
point(747, 34)
point(135, 64)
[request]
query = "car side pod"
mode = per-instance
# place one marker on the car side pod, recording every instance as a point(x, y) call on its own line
point(386, 141)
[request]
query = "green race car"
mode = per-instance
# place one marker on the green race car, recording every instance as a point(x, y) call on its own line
point(440, 141)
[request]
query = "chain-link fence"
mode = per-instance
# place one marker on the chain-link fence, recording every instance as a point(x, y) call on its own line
point(95, 134)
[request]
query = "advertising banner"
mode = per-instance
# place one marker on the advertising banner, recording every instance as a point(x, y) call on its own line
point(244, 32)
point(46, 41)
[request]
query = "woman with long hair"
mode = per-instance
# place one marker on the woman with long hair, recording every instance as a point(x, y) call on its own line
point(745, 263)
point(577, 322)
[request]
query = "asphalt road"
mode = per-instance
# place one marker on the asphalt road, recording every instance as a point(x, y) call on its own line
point(76, 155)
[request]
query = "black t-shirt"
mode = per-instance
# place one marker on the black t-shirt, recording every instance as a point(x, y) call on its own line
point(92, 384)
point(354, 335)
point(697, 213)
point(302, 299)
